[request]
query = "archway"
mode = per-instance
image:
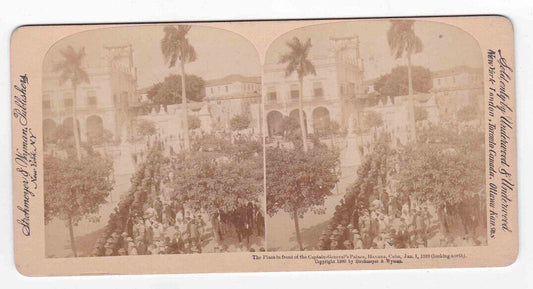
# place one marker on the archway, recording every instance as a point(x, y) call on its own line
point(66, 130)
point(296, 115)
point(274, 123)
point(95, 129)
point(49, 130)
point(321, 121)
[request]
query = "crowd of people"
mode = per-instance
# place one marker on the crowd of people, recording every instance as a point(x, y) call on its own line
point(378, 213)
point(170, 228)
point(151, 220)
point(390, 223)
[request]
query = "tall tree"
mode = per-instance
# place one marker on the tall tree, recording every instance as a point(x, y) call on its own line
point(403, 41)
point(70, 69)
point(395, 83)
point(298, 182)
point(447, 170)
point(169, 91)
point(75, 189)
point(297, 60)
point(213, 182)
point(175, 46)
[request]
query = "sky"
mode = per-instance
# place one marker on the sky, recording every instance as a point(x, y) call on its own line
point(220, 52)
point(445, 46)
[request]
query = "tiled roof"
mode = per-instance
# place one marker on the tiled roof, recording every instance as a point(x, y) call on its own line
point(455, 71)
point(233, 78)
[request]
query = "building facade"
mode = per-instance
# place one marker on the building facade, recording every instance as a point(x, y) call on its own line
point(104, 103)
point(456, 88)
point(452, 90)
point(395, 114)
point(327, 96)
point(231, 96)
point(170, 123)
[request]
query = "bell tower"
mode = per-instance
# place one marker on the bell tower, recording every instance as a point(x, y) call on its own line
point(347, 49)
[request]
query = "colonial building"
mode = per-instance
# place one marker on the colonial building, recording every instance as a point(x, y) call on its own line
point(170, 123)
point(328, 95)
point(105, 102)
point(231, 96)
point(224, 98)
point(395, 115)
point(452, 89)
point(457, 87)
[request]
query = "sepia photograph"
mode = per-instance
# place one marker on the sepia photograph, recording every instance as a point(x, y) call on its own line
point(264, 146)
point(375, 137)
point(152, 143)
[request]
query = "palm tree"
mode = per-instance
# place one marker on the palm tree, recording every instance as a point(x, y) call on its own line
point(403, 40)
point(70, 69)
point(297, 60)
point(175, 46)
